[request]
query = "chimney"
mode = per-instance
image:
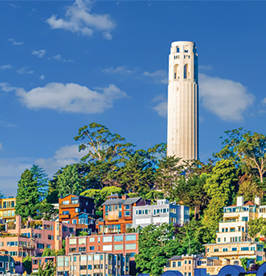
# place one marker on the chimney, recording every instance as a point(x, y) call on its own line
point(240, 201)
point(257, 200)
point(18, 224)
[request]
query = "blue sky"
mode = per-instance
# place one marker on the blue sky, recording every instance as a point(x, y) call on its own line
point(65, 64)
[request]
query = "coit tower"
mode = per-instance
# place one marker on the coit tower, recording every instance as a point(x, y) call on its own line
point(183, 94)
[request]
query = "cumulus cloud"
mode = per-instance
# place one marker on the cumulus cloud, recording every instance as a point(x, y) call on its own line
point(39, 53)
point(14, 42)
point(264, 101)
point(225, 98)
point(159, 76)
point(70, 97)
point(79, 19)
point(7, 66)
point(42, 77)
point(117, 70)
point(161, 106)
point(24, 70)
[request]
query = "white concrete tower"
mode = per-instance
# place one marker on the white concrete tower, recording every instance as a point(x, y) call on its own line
point(182, 136)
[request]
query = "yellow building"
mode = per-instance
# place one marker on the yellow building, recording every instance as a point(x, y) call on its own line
point(232, 239)
point(7, 209)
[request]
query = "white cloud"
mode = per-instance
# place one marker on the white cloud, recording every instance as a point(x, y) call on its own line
point(14, 6)
point(6, 87)
point(6, 124)
point(70, 97)
point(205, 67)
point(39, 53)
point(15, 42)
point(79, 19)
point(161, 107)
point(42, 77)
point(119, 69)
point(59, 58)
point(159, 76)
point(7, 66)
point(24, 70)
point(1, 146)
point(264, 101)
point(225, 98)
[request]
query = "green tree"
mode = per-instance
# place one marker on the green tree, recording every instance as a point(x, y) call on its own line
point(136, 175)
point(191, 192)
point(83, 233)
point(41, 177)
point(27, 201)
point(159, 243)
point(47, 269)
point(70, 181)
point(154, 195)
point(167, 173)
point(221, 188)
point(27, 264)
point(257, 226)
point(245, 149)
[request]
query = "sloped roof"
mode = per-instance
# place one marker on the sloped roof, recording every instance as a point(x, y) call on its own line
point(247, 203)
point(127, 201)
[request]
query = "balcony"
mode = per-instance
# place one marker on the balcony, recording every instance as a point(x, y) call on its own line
point(30, 247)
point(64, 216)
point(68, 206)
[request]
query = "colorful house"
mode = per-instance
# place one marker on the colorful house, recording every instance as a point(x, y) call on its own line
point(7, 209)
point(118, 213)
point(78, 210)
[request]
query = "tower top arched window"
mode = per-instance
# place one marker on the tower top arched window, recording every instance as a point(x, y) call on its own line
point(177, 49)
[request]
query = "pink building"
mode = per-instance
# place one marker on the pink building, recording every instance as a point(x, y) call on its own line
point(32, 237)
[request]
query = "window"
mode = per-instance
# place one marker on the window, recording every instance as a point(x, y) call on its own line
point(244, 249)
point(89, 267)
point(118, 247)
point(130, 246)
point(177, 49)
point(72, 241)
point(50, 237)
point(82, 240)
point(40, 245)
point(83, 258)
point(96, 257)
point(127, 213)
point(173, 264)
point(82, 249)
point(118, 238)
point(107, 247)
point(219, 239)
point(225, 249)
point(127, 207)
point(76, 210)
point(12, 243)
point(74, 200)
point(74, 221)
point(244, 218)
point(65, 202)
point(65, 212)
point(224, 239)
point(216, 250)
point(1, 264)
point(130, 237)
point(92, 239)
point(91, 248)
point(107, 239)
point(234, 248)
point(1, 244)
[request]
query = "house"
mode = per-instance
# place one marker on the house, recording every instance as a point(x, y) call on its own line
point(7, 264)
point(162, 212)
point(7, 209)
point(78, 210)
point(232, 238)
point(118, 213)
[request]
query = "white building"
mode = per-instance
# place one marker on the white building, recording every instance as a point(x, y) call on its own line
point(182, 136)
point(232, 239)
point(162, 212)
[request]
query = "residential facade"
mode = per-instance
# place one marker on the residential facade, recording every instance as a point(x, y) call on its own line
point(232, 239)
point(78, 210)
point(118, 214)
point(96, 264)
point(124, 243)
point(7, 209)
point(162, 212)
point(7, 264)
point(41, 261)
point(32, 237)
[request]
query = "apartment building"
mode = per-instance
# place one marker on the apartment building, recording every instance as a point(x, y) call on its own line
point(162, 212)
point(78, 210)
point(126, 244)
point(192, 265)
point(232, 239)
point(32, 237)
point(7, 209)
point(96, 264)
point(118, 213)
